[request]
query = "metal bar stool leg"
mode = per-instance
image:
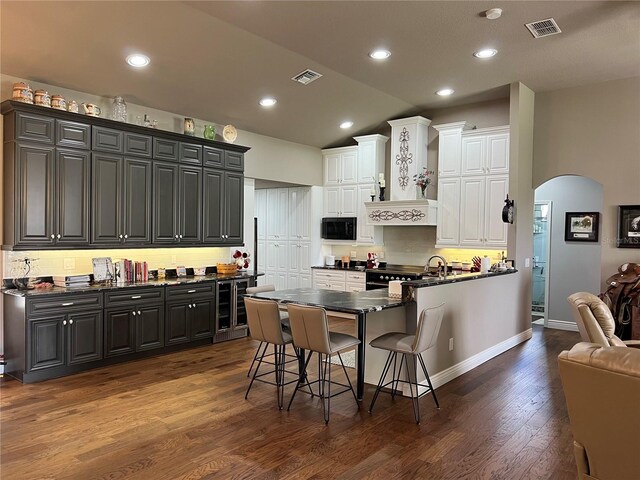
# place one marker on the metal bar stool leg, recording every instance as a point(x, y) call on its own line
point(394, 387)
point(385, 369)
point(426, 374)
point(348, 380)
point(328, 366)
point(298, 384)
point(414, 400)
point(280, 359)
point(255, 373)
point(255, 357)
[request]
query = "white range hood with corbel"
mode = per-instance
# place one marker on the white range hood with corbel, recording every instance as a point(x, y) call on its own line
point(409, 139)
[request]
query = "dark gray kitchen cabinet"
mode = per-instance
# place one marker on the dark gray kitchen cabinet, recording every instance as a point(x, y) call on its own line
point(46, 342)
point(106, 202)
point(137, 201)
point(150, 327)
point(223, 205)
point(177, 323)
point(63, 339)
point(166, 203)
point(121, 202)
point(120, 332)
point(213, 206)
point(234, 207)
point(107, 140)
point(213, 157)
point(71, 206)
point(191, 320)
point(190, 153)
point(165, 149)
point(73, 135)
point(234, 161)
point(33, 128)
point(34, 194)
point(190, 209)
point(139, 145)
point(202, 319)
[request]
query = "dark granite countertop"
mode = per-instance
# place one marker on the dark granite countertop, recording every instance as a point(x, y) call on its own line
point(165, 282)
point(433, 281)
point(339, 268)
point(346, 302)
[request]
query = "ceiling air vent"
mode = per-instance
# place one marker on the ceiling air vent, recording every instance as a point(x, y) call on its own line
point(543, 28)
point(306, 77)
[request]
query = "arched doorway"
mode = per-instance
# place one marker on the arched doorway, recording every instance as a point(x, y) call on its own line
point(562, 267)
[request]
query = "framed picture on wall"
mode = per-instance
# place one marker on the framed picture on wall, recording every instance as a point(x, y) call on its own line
point(628, 226)
point(581, 226)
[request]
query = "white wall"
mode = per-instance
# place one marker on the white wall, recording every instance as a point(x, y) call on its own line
point(573, 266)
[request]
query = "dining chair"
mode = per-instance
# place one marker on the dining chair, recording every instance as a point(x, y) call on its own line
point(284, 318)
point(409, 346)
point(265, 325)
point(310, 331)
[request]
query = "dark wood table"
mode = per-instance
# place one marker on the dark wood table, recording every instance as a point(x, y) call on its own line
point(358, 304)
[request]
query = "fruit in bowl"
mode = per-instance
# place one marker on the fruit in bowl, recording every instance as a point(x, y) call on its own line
point(241, 259)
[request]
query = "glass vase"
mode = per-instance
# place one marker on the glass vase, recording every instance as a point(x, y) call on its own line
point(421, 193)
point(119, 110)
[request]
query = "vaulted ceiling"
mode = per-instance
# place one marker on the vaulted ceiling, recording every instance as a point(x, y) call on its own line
point(215, 60)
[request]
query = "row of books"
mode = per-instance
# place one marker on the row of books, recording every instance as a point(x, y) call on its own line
point(70, 281)
point(128, 271)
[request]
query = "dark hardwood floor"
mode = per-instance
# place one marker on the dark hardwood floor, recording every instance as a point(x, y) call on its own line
point(183, 416)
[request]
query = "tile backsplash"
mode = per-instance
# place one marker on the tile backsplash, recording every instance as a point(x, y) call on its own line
point(68, 262)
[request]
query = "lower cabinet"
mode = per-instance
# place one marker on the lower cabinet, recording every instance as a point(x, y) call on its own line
point(64, 339)
point(134, 328)
point(231, 313)
point(192, 320)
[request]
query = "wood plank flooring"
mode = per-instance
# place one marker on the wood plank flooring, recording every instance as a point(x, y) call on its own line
point(183, 416)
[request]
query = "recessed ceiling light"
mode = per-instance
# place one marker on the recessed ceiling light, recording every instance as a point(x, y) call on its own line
point(347, 124)
point(485, 53)
point(380, 54)
point(493, 13)
point(445, 92)
point(138, 60)
point(268, 102)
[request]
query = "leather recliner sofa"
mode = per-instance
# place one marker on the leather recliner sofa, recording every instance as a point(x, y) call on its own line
point(602, 389)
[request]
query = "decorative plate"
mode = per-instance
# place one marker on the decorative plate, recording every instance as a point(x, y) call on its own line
point(229, 133)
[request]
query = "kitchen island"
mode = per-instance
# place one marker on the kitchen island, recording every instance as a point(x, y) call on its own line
point(480, 317)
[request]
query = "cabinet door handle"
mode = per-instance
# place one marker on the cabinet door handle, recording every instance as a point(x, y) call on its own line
point(135, 297)
point(121, 237)
point(176, 235)
point(193, 305)
point(180, 236)
point(58, 236)
point(139, 312)
point(53, 236)
point(70, 321)
point(126, 236)
point(191, 291)
point(64, 322)
point(134, 313)
point(68, 304)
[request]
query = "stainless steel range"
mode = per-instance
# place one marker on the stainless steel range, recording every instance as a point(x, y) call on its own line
point(380, 277)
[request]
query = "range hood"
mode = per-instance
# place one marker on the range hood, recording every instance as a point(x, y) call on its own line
point(409, 139)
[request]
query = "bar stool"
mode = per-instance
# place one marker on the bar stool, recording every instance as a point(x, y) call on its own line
point(284, 319)
point(310, 330)
point(265, 325)
point(413, 346)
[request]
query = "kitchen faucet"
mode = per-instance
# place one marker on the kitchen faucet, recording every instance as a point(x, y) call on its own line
point(426, 267)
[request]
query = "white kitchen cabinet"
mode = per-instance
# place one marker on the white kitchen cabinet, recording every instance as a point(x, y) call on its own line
point(341, 281)
point(340, 166)
point(355, 287)
point(262, 251)
point(472, 210)
point(277, 213)
point(450, 149)
point(482, 199)
point(497, 157)
point(304, 281)
point(495, 230)
point(299, 206)
point(281, 281)
point(366, 234)
point(409, 140)
point(341, 201)
point(293, 280)
point(298, 255)
point(371, 151)
point(485, 151)
point(448, 230)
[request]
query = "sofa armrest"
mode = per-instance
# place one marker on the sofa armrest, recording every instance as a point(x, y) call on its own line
point(632, 343)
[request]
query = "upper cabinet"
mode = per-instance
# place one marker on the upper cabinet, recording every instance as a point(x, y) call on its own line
point(72, 180)
point(340, 166)
point(371, 149)
point(473, 168)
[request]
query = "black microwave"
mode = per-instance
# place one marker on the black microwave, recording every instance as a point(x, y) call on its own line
point(339, 228)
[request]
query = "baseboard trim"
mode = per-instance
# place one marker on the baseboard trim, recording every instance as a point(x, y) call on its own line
point(474, 361)
point(562, 325)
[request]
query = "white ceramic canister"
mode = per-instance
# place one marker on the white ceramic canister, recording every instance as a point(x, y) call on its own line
point(330, 260)
point(485, 264)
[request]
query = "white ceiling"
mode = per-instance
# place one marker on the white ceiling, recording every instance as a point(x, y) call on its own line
point(215, 60)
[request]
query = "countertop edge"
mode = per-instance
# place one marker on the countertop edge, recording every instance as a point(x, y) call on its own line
point(432, 282)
